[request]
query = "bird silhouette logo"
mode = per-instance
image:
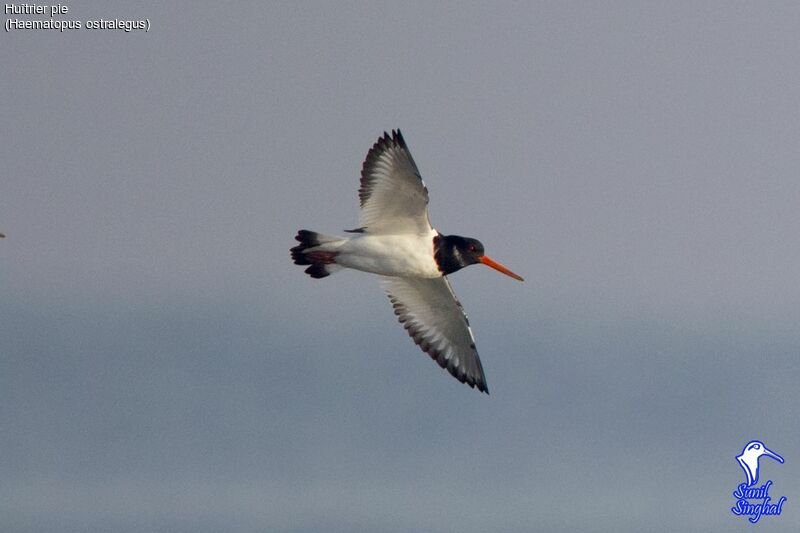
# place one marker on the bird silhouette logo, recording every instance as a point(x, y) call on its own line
point(752, 452)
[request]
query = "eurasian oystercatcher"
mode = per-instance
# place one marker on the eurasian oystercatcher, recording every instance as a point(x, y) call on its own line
point(397, 242)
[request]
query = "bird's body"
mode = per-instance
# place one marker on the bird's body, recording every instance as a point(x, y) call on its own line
point(409, 255)
point(397, 242)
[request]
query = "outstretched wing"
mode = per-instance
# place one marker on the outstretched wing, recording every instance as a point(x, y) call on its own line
point(434, 318)
point(394, 199)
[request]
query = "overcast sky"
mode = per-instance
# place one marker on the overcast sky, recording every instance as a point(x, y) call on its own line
point(165, 367)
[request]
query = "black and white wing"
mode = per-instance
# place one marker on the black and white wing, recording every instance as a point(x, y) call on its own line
point(434, 318)
point(394, 199)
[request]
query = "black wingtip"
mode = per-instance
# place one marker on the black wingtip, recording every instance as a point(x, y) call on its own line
point(480, 385)
point(398, 137)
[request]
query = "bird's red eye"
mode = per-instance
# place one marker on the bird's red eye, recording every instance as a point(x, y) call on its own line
point(472, 248)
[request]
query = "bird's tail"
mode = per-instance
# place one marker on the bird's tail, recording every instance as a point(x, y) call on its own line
point(317, 250)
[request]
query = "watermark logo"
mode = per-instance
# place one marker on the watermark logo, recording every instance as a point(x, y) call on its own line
point(751, 500)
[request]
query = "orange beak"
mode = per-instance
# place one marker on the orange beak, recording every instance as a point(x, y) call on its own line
point(500, 268)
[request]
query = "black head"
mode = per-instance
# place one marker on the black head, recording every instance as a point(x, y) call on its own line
point(453, 252)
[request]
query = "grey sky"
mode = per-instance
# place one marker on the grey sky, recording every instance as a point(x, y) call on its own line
point(164, 366)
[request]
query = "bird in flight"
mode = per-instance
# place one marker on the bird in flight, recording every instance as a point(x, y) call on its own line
point(396, 241)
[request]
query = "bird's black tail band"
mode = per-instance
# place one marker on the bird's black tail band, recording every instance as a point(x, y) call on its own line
point(322, 261)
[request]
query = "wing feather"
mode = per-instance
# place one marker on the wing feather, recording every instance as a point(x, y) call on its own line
point(394, 199)
point(435, 320)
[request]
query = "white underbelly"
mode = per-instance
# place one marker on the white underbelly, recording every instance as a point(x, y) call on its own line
point(391, 255)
